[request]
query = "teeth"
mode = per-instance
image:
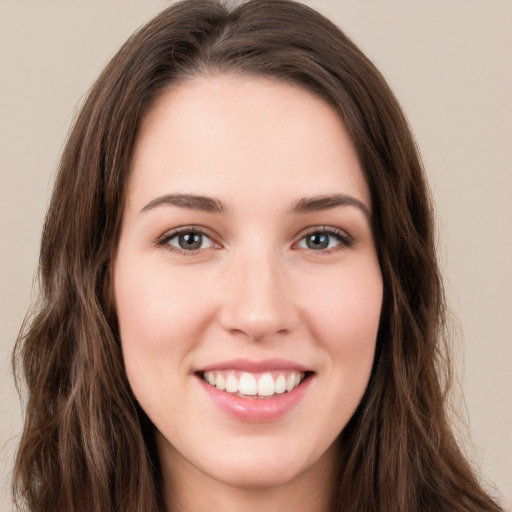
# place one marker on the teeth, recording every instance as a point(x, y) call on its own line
point(249, 384)
point(280, 384)
point(232, 384)
point(219, 382)
point(290, 382)
point(266, 385)
point(210, 378)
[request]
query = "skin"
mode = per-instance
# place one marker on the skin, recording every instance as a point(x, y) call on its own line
point(253, 290)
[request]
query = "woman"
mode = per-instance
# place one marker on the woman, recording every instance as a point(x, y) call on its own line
point(241, 305)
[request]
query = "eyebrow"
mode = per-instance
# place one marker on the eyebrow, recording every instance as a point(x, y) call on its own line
point(212, 205)
point(189, 202)
point(320, 203)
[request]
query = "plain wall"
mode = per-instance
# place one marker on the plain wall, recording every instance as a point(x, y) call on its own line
point(450, 65)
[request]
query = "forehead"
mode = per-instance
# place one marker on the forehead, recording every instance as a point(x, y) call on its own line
point(257, 136)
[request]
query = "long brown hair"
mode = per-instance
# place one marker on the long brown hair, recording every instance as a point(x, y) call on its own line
point(86, 444)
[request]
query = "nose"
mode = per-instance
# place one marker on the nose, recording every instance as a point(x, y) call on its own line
point(258, 302)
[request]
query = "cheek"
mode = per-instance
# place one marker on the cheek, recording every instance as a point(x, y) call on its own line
point(345, 319)
point(156, 308)
point(160, 320)
point(346, 310)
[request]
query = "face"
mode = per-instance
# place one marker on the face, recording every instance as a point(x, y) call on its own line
point(246, 281)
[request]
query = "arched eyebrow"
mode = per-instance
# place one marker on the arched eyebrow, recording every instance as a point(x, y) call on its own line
point(320, 203)
point(212, 205)
point(189, 202)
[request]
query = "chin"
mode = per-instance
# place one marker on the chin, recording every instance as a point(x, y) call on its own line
point(257, 476)
point(267, 467)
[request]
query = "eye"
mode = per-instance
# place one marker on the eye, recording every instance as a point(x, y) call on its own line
point(187, 240)
point(190, 241)
point(324, 240)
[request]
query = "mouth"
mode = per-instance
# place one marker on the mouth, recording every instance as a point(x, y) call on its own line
point(255, 385)
point(256, 391)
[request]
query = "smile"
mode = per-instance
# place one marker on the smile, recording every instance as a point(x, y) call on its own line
point(254, 385)
point(256, 391)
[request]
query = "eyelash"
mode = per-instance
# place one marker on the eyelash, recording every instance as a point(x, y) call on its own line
point(344, 240)
point(185, 230)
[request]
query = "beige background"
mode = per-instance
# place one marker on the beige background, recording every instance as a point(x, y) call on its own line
point(450, 64)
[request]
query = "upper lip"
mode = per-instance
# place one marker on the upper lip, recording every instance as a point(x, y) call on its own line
point(253, 366)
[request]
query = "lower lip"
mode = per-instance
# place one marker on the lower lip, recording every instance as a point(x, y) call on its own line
point(256, 409)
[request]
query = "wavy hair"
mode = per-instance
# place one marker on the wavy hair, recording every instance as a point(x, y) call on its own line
point(86, 444)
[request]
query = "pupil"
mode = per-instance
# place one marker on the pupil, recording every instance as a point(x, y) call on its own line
point(191, 241)
point(318, 241)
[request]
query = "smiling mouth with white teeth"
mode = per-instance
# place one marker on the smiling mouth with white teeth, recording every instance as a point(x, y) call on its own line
point(254, 385)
